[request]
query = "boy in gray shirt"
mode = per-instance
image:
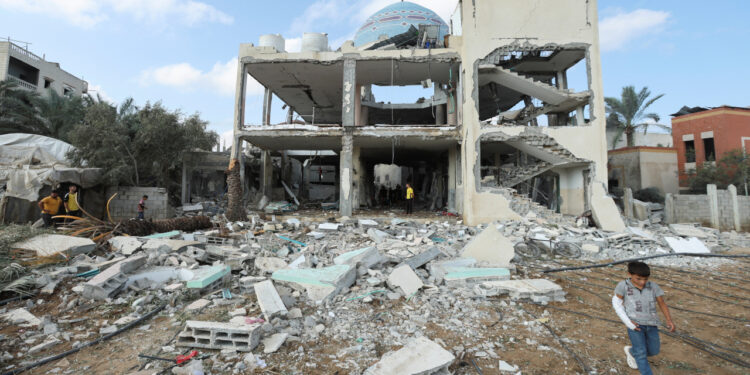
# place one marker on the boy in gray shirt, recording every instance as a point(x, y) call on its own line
point(635, 303)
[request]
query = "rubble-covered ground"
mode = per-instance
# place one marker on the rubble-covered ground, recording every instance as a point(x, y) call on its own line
point(333, 311)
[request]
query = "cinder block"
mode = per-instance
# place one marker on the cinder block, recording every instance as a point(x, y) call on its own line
point(269, 300)
point(105, 285)
point(209, 278)
point(214, 335)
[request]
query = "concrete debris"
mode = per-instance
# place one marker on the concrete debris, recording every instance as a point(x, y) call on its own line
point(22, 317)
point(125, 245)
point(105, 284)
point(506, 367)
point(537, 290)
point(404, 278)
point(50, 342)
point(47, 245)
point(419, 356)
point(268, 299)
point(272, 343)
point(269, 264)
point(377, 236)
point(423, 258)
point(687, 245)
point(198, 304)
point(213, 335)
point(209, 278)
point(320, 284)
point(367, 257)
point(490, 246)
point(686, 230)
point(329, 226)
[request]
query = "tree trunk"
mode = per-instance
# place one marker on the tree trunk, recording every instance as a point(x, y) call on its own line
point(629, 134)
point(235, 206)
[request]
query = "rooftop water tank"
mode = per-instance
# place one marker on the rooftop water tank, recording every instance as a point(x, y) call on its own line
point(272, 40)
point(314, 42)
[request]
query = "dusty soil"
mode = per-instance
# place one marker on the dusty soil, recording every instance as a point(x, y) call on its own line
point(724, 292)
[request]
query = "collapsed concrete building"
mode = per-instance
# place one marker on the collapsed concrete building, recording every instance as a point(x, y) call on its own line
point(502, 125)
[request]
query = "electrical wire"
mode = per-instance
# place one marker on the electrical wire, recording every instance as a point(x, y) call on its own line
point(644, 258)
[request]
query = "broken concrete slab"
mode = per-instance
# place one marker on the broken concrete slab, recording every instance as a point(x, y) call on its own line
point(422, 258)
point(50, 342)
point(272, 343)
point(378, 236)
point(537, 290)
point(22, 317)
point(131, 264)
point(45, 245)
point(329, 226)
point(214, 335)
point(366, 257)
point(641, 210)
point(506, 367)
point(269, 264)
point(364, 223)
point(686, 230)
point(316, 235)
point(174, 245)
point(605, 211)
point(419, 356)
point(458, 275)
point(269, 300)
point(164, 235)
point(125, 245)
point(490, 246)
point(206, 278)
point(198, 304)
point(105, 284)
point(404, 278)
point(319, 283)
point(690, 245)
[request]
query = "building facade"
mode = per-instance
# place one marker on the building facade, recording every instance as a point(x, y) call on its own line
point(643, 167)
point(705, 135)
point(502, 121)
point(32, 72)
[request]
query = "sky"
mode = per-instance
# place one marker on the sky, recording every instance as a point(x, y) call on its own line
point(183, 52)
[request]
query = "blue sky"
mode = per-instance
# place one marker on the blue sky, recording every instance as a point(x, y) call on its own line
point(183, 52)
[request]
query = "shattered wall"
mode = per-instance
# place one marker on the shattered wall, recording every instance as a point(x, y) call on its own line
point(571, 23)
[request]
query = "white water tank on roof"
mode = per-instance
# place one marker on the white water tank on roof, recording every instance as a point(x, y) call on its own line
point(273, 40)
point(314, 42)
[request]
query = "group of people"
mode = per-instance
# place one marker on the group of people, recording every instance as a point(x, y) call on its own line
point(53, 205)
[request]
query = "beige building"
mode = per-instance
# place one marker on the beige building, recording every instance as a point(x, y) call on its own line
point(501, 122)
point(35, 73)
point(643, 167)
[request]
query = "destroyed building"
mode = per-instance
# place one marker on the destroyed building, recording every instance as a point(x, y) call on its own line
point(502, 125)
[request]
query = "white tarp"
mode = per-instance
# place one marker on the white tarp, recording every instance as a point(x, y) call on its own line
point(20, 148)
point(25, 182)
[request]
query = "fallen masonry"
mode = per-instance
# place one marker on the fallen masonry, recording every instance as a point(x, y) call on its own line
point(536, 290)
point(419, 356)
point(269, 300)
point(319, 283)
point(213, 335)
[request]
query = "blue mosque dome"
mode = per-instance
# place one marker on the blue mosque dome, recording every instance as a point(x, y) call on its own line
point(396, 19)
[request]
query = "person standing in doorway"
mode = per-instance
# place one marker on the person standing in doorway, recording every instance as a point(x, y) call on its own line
point(71, 202)
point(409, 199)
point(142, 207)
point(50, 206)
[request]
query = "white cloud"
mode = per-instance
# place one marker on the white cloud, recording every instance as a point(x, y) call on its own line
point(221, 79)
point(97, 90)
point(88, 13)
point(616, 31)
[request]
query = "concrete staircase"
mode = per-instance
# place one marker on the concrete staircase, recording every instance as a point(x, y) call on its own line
point(522, 205)
point(521, 174)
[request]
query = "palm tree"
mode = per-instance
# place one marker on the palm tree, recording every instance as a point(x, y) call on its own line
point(60, 114)
point(18, 114)
point(628, 114)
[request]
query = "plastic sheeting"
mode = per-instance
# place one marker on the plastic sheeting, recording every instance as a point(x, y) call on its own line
point(25, 183)
point(30, 149)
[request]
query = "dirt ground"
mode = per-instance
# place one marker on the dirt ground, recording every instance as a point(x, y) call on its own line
point(599, 344)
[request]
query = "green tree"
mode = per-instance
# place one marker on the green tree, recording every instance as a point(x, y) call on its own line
point(59, 114)
point(732, 169)
point(17, 111)
point(628, 113)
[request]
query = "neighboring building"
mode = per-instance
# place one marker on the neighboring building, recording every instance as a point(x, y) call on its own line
point(501, 117)
point(643, 167)
point(701, 135)
point(640, 139)
point(35, 73)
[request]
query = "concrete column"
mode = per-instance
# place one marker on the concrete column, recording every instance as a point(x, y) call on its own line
point(440, 114)
point(669, 209)
point(266, 170)
point(239, 108)
point(735, 208)
point(349, 97)
point(346, 174)
point(580, 120)
point(713, 204)
point(562, 80)
point(452, 178)
point(289, 115)
point(285, 171)
point(267, 98)
point(358, 105)
point(627, 203)
point(358, 178)
point(185, 196)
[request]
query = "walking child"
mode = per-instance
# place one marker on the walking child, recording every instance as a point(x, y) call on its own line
point(142, 207)
point(635, 302)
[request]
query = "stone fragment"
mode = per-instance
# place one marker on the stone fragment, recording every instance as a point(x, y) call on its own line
point(490, 246)
point(50, 342)
point(463, 275)
point(422, 258)
point(537, 290)
point(125, 244)
point(272, 343)
point(419, 356)
point(316, 235)
point(364, 223)
point(269, 300)
point(45, 245)
point(173, 245)
point(198, 304)
point(506, 367)
point(366, 257)
point(332, 227)
point(319, 283)
point(686, 230)
point(403, 277)
point(269, 264)
point(378, 236)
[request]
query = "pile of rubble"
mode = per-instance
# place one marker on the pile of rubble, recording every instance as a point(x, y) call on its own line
point(295, 280)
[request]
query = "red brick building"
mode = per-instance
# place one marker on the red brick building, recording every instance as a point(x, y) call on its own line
point(701, 135)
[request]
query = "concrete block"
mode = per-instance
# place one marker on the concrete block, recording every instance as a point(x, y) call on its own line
point(422, 258)
point(272, 343)
point(131, 264)
point(268, 299)
point(247, 283)
point(105, 285)
point(269, 264)
point(209, 277)
point(125, 245)
point(319, 283)
point(45, 245)
point(537, 290)
point(490, 246)
point(365, 223)
point(214, 335)
point(687, 245)
point(403, 277)
point(378, 236)
point(458, 275)
point(367, 257)
point(331, 227)
point(641, 210)
point(419, 356)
